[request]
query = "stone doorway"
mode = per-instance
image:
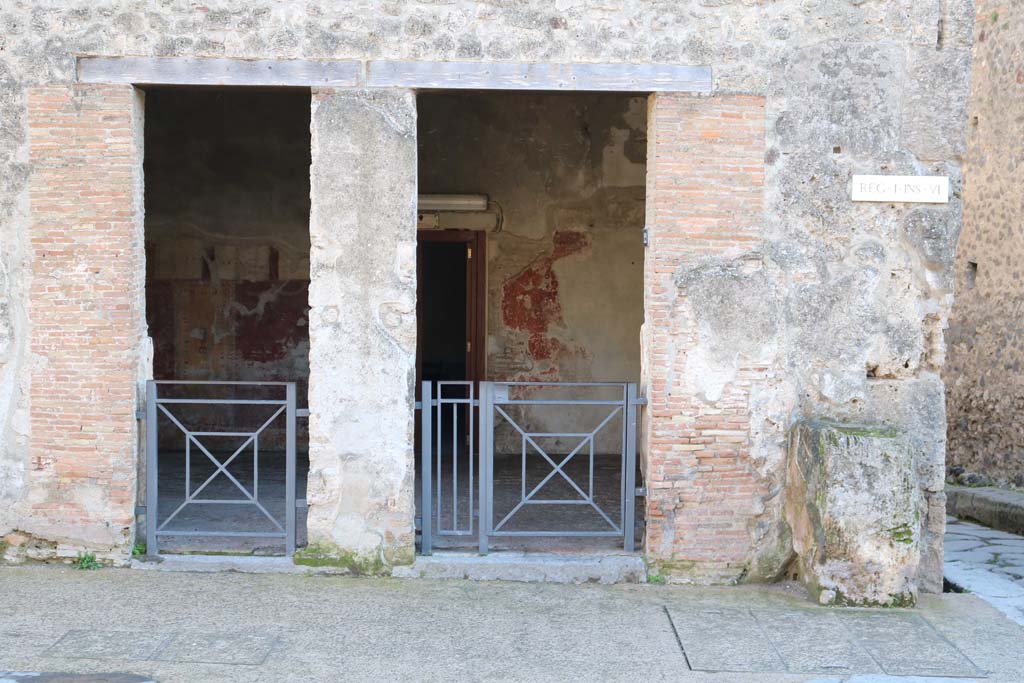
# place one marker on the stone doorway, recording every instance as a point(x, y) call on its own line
point(227, 288)
point(553, 184)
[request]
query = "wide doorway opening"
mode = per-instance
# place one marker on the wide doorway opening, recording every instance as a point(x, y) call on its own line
point(530, 267)
point(227, 250)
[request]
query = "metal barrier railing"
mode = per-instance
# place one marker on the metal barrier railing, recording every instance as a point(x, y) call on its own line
point(505, 406)
point(444, 448)
point(173, 409)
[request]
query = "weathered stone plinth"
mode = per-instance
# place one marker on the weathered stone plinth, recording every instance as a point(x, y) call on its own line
point(856, 509)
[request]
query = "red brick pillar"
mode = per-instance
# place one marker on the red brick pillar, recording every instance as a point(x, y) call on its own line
point(87, 315)
point(705, 179)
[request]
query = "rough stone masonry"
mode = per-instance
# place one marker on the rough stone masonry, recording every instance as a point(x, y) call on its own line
point(772, 301)
point(983, 376)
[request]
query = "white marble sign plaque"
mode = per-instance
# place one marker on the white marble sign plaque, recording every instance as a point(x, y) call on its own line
point(931, 189)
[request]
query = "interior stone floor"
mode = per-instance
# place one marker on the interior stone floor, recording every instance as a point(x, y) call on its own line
point(514, 481)
point(237, 516)
point(455, 502)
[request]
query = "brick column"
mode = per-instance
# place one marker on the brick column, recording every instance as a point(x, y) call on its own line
point(704, 203)
point(362, 297)
point(86, 307)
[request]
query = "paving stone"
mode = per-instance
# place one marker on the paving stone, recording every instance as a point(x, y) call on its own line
point(1007, 548)
point(905, 644)
point(967, 544)
point(218, 648)
point(814, 642)
point(725, 640)
point(1013, 572)
point(64, 677)
point(980, 531)
point(91, 644)
point(976, 556)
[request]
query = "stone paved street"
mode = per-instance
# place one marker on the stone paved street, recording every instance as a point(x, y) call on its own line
point(988, 563)
point(1002, 553)
point(188, 627)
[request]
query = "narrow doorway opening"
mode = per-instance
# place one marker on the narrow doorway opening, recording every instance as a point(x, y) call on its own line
point(553, 187)
point(450, 305)
point(227, 283)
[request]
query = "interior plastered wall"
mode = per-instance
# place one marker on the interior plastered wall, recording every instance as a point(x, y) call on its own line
point(566, 171)
point(984, 374)
point(227, 240)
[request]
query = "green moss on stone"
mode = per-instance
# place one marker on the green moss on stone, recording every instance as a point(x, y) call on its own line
point(902, 534)
point(898, 601)
point(665, 569)
point(861, 430)
point(331, 556)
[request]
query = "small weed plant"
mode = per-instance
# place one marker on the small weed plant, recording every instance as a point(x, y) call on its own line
point(87, 561)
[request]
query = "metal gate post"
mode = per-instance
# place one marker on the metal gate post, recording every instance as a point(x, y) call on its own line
point(426, 465)
point(289, 483)
point(486, 456)
point(151, 472)
point(628, 522)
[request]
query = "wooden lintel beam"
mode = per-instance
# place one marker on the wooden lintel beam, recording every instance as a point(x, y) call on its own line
point(395, 74)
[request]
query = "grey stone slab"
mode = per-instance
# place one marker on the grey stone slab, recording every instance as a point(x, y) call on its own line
point(979, 556)
point(998, 508)
point(725, 640)
point(64, 677)
point(92, 644)
point(1006, 548)
point(527, 567)
point(218, 648)
point(905, 644)
point(983, 581)
point(953, 545)
point(1011, 571)
point(814, 642)
point(984, 532)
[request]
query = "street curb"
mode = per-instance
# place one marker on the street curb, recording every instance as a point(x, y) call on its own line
point(995, 508)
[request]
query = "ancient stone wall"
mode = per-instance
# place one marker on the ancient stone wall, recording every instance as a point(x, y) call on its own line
point(77, 485)
point(826, 309)
point(984, 374)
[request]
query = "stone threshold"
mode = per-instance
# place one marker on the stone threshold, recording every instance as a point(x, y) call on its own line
point(246, 564)
point(605, 568)
point(575, 568)
point(996, 508)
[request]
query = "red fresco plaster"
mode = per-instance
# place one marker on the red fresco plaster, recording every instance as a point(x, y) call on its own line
point(530, 301)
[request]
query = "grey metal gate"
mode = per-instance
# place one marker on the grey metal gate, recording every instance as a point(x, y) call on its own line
point(464, 505)
point(182, 404)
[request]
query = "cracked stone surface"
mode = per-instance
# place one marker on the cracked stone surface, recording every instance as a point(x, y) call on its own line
point(282, 627)
point(988, 563)
point(997, 551)
point(61, 677)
